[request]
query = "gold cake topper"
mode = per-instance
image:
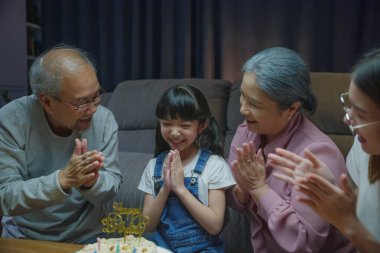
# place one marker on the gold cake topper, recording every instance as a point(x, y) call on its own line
point(125, 221)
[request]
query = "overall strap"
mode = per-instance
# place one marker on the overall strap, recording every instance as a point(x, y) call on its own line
point(158, 166)
point(157, 173)
point(202, 160)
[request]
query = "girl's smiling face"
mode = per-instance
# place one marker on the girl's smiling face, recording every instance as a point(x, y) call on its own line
point(181, 134)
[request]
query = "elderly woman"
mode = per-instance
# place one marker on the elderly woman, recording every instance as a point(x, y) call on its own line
point(275, 87)
point(354, 212)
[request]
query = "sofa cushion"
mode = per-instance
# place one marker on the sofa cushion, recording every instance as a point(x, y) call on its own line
point(106, 99)
point(134, 104)
point(238, 230)
point(327, 88)
point(132, 166)
point(234, 117)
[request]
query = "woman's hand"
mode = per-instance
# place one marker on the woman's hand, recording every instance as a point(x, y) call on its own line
point(249, 168)
point(295, 167)
point(313, 178)
point(336, 205)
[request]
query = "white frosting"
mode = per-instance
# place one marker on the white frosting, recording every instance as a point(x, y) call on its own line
point(129, 244)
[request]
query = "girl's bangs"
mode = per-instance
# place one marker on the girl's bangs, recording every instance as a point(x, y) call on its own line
point(176, 106)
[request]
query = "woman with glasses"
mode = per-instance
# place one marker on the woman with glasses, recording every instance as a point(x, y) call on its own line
point(354, 207)
point(348, 117)
point(274, 92)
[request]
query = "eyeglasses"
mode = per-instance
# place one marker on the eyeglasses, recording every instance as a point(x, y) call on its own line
point(83, 107)
point(347, 108)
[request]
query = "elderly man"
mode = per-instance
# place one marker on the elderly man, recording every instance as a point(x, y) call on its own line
point(58, 152)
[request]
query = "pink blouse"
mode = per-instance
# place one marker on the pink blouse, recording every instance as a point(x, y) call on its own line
point(279, 222)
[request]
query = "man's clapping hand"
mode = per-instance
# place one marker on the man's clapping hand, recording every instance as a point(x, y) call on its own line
point(83, 167)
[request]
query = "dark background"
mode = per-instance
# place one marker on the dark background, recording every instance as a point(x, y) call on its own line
point(135, 39)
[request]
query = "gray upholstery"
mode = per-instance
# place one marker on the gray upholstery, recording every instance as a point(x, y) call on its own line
point(234, 118)
point(106, 98)
point(133, 104)
point(329, 115)
point(129, 195)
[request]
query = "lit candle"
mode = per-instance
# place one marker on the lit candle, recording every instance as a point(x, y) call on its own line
point(117, 247)
point(98, 239)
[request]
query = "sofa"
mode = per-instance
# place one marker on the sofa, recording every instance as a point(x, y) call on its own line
point(133, 104)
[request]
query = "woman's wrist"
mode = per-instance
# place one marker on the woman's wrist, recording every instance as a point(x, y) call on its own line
point(360, 237)
point(259, 191)
point(241, 196)
point(349, 227)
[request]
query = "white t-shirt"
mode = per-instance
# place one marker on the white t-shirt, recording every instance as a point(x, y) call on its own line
point(368, 202)
point(215, 175)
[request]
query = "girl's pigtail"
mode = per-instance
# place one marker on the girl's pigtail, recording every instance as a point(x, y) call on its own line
point(211, 138)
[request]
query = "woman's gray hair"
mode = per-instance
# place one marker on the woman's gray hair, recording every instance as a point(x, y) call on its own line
point(45, 74)
point(283, 76)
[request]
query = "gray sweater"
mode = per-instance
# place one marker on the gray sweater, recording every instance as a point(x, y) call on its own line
point(31, 155)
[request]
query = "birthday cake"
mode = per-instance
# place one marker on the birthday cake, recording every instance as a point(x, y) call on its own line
point(128, 244)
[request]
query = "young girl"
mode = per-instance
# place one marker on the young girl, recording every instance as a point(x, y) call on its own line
point(185, 183)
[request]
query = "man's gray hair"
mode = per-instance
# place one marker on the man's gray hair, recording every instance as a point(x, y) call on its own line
point(283, 76)
point(45, 74)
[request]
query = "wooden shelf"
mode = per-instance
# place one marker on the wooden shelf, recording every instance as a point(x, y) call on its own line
point(31, 57)
point(33, 32)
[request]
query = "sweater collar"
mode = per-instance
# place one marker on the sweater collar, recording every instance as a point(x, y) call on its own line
point(283, 138)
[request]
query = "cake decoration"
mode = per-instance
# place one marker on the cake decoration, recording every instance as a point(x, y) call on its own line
point(128, 222)
point(125, 221)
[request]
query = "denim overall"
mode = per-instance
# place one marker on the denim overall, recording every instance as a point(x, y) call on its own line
point(178, 230)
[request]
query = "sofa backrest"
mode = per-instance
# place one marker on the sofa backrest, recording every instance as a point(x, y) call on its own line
point(234, 117)
point(134, 103)
point(327, 87)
